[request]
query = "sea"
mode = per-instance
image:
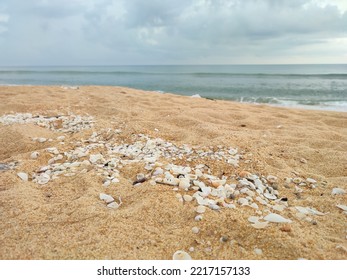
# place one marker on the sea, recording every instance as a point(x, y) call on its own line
point(318, 86)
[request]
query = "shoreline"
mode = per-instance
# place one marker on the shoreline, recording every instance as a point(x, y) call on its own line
point(65, 218)
point(289, 106)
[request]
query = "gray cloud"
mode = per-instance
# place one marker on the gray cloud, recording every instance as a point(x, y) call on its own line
point(160, 32)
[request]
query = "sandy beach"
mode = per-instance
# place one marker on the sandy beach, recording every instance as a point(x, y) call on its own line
point(301, 155)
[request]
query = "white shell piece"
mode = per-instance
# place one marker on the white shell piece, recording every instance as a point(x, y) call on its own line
point(336, 191)
point(242, 201)
point(341, 206)
point(24, 176)
point(270, 196)
point(275, 218)
point(34, 155)
point(198, 218)
point(106, 183)
point(311, 181)
point(195, 230)
point(200, 209)
point(43, 179)
point(260, 225)
point(254, 205)
point(187, 197)
point(307, 211)
point(214, 207)
point(181, 255)
point(107, 198)
point(278, 207)
point(95, 158)
point(184, 183)
point(113, 205)
point(258, 251)
point(253, 219)
point(158, 171)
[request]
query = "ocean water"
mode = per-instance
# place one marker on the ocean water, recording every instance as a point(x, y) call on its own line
point(308, 86)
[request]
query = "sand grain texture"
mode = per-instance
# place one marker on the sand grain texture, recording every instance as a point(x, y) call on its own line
point(65, 219)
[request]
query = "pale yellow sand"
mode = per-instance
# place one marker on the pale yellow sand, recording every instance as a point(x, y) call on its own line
point(65, 219)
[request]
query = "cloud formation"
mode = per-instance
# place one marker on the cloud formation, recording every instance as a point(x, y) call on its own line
point(84, 32)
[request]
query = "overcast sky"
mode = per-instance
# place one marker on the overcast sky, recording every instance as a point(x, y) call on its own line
point(122, 32)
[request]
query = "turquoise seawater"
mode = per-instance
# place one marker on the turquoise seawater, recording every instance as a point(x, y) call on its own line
point(309, 86)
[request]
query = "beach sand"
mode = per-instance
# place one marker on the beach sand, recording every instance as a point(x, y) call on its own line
point(65, 218)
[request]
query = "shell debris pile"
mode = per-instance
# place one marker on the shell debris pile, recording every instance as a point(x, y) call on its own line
point(193, 182)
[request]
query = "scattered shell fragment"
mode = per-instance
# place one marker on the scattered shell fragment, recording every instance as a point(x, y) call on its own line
point(187, 198)
point(260, 225)
point(308, 210)
point(184, 183)
point(341, 206)
point(275, 218)
point(43, 179)
point(258, 251)
point(34, 155)
point(195, 230)
point(113, 205)
point(24, 176)
point(253, 219)
point(181, 255)
point(337, 191)
point(200, 209)
point(311, 181)
point(107, 198)
point(41, 140)
point(270, 196)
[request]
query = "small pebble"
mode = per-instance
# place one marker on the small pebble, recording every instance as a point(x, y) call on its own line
point(224, 239)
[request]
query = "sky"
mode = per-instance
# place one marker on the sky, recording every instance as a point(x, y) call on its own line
point(156, 32)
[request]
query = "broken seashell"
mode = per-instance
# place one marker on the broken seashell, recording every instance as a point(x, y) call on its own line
point(181, 255)
point(195, 230)
point(341, 206)
point(34, 155)
point(113, 205)
point(242, 201)
point(270, 196)
point(336, 191)
point(307, 210)
point(260, 225)
point(184, 183)
point(198, 218)
point(253, 219)
point(24, 176)
point(311, 181)
point(187, 197)
point(258, 251)
point(275, 218)
point(105, 197)
point(43, 179)
point(95, 158)
point(200, 209)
